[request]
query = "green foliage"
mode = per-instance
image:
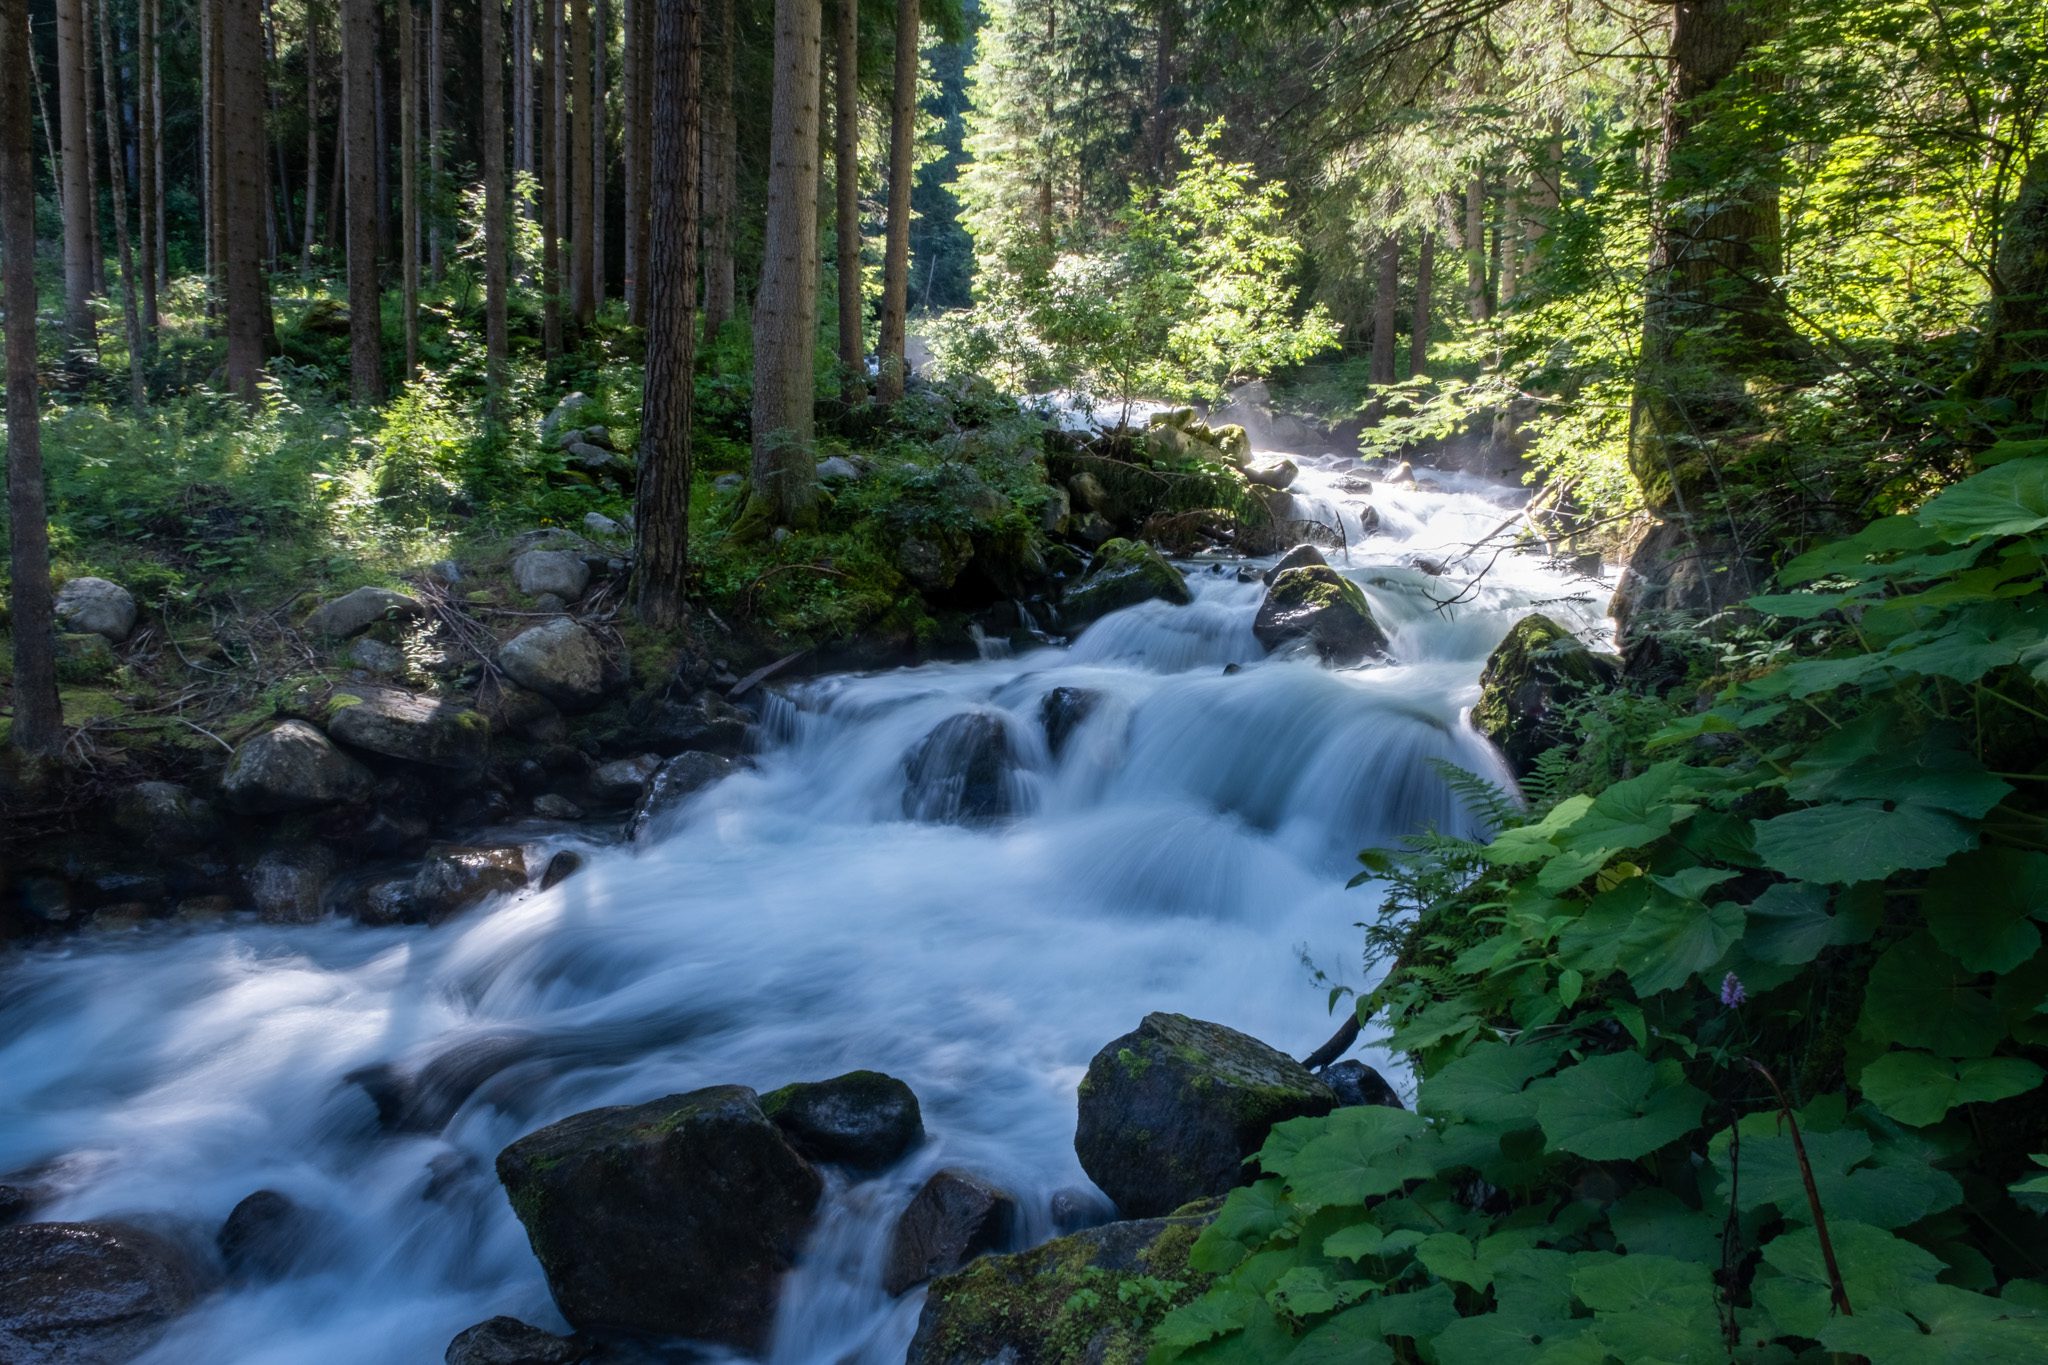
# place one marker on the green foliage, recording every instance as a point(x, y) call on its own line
point(1831, 880)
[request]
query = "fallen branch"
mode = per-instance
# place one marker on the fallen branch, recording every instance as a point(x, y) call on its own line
point(1836, 1289)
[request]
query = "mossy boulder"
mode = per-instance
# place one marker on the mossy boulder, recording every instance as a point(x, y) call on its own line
point(862, 1119)
point(1300, 557)
point(1092, 1298)
point(565, 663)
point(413, 728)
point(1170, 1111)
point(1126, 572)
point(1530, 684)
point(352, 613)
point(1320, 606)
point(674, 1218)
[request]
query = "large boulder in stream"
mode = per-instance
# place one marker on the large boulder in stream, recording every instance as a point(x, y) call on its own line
point(1300, 557)
point(1318, 605)
point(291, 767)
point(1170, 1111)
point(1529, 685)
point(951, 1220)
point(674, 1218)
point(1059, 1304)
point(89, 1293)
point(863, 1119)
point(1126, 572)
point(675, 782)
point(961, 773)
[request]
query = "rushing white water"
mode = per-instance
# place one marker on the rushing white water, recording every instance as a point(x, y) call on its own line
point(1186, 852)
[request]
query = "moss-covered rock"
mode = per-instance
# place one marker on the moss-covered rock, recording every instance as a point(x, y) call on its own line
point(955, 1217)
point(411, 727)
point(1529, 685)
point(292, 766)
point(1089, 1299)
point(1317, 604)
point(1170, 1111)
point(862, 1119)
point(1126, 573)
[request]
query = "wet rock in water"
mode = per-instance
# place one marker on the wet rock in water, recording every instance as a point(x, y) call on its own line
point(456, 877)
point(675, 782)
point(352, 613)
point(561, 572)
point(1355, 1083)
point(555, 806)
point(410, 727)
point(1272, 474)
point(164, 817)
point(89, 1293)
point(16, 1202)
point(1352, 484)
point(1403, 475)
point(1126, 572)
point(564, 663)
point(508, 1341)
point(1324, 608)
point(560, 868)
point(289, 885)
point(1423, 564)
point(292, 766)
point(265, 1237)
point(961, 772)
point(951, 1220)
point(863, 1119)
point(1233, 441)
point(94, 606)
point(1170, 1111)
point(1300, 557)
point(1529, 686)
point(705, 722)
point(1062, 710)
point(1029, 1308)
point(423, 1099)
point(674, 1218)
point(621, 782)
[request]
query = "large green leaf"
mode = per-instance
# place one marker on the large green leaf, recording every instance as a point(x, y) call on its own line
point(1859, 841)
point(1852, 1176)
point(1250, 1215)
point(1919, 1088)
point(1486, 1083)
point(2009, 499)
point(1652, 1308)
point(1506, 1338)
point(1934, 772)
point(1673, 941)
point(1616, 1107)
point(1632, 813)
point(1979, 907)
point(1946, 1326)
point(1853, 555)
point(1877, 1268)
point(1792, 922)
point(1919, 996)
point(1365, 1151)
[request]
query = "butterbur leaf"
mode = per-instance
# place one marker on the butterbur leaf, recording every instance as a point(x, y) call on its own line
point(1792, 922)
point(1672, 941)
point(1485, 1083)
point(1934, 772)
point(1854, 556)
point(1505, 1338)
point(2009, 499)
point(1917, 1088)
point(1350, 1338)
point(1250, 1214)
point(1363, 1152)
point(1651, 1307)
point(1877, 1268)
point(1855, 1179)
point(1919, 996)
point(1859, 841)
point(1946, 1326)
point(1616, 1107)
point(1632, 813)
point(1978, 907)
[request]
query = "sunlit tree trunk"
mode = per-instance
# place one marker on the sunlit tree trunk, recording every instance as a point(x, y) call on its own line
point(1421, 320)
point(661, 514)
point(244, 298)
point(366, 347)
point(552, 175)
point(785, 312)
point(599, 140)
point(492, 135)
point(117, 163)
point(437, 70)
point(846, 184)
point(147, 182)
point(719, 193)
point(631, 238)
point(1385, 300)
point(890, 368)
point(1477, 305)
point(76, 129)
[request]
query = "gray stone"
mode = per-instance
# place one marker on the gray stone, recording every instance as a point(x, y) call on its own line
point(675, 782)
point(291, 767)
point(89, 1293)
point(1062, 710)
point(1272, 473)
point(1089, 494)
point(266, 1236)
point(94, 606)
point(1531, 683)
point(1054, 511)
point(1355, 1083)
point(554, 806)
point(729, 483)
point(951, 1220)
point(564, 663)
point(598, 524)
point(376, 657)
point(508, 1341)
point(621, 782)
point(1125, 573)
point(1300, 557)
point(405, 725)
point(837, 469)
point(353, 613)
point(289, 885)
point(1093, 529)
point(570, 415)
point(862, 1119)
point(557, 571)
point(960, 773)
point(1322, 607)
point(458, 876)
point(1170, 1111)
point(164, 817)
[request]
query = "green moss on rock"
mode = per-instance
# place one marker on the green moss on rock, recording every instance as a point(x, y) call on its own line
point(1530, 684)
point(1316, 604)
point(1126, 573)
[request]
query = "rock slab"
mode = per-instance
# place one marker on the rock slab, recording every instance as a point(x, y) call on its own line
point(563, 662)
point(410, 727)
point(292, 766)
point(89, 1293)
point(352, 613)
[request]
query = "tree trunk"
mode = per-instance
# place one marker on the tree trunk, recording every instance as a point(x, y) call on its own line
point(582, 225)
point(522, 86)
point(92, 164)
point(387, 242)
point(147, 183)
point(365, 331)
point(661, 509)
point(38, 714)
point(1477, 304)
point(551, 177)
point(337, 169)
point(408, 181)
point(1165, 37)
point(1419, 322)
point(889, 362)
point(846, 182)
point(156, 156)
point(437, 67)
point(312, 135)
point(601, 37)
point(492, 97)
point(276, 198)
point(719, 193)
point(216, 158)
point(1385, 299)
point(629, 152)
point(1509, 242)
point(110, 110)
point(243, 296)
point(785, 470)
point(72, 107)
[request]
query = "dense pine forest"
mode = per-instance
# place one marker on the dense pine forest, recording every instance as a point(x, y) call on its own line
point(1030, 681)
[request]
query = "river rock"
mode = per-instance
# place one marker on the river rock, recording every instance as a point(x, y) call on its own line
point(1093, 530)
point(620, 783)
point(1053, 512)
point(951, 1220)
point(1126, 572)
point(1277, 474)
point(1529, 686)
point(563, 662)
point(288, 885)
point(89, 1293)
point(555, 806)
point(863, 1119)
point(560, 572)
point(1355, 1083)
point(1321, 606)
point(405, 725)
point(1300, 557)
point(352, 613)
point(508, 1341)
point(422, 1099)
point(265, 1236)
point(675, 782)
point(292, 766)
point(1062, 710)
point(94, 606)
point(961, 772)
point(1030, 1308)
point(377, 658)
point(515, 710)
point(16, 1200)
point(706, 721)
point(674, 1218)
point(1170, 1111)
point(457, 876)
point(1232, 440)
point(164, 817)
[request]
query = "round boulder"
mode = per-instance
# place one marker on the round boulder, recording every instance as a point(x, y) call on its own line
point(561, 572)
point(863, 1119)
point(352, 613)
point(951, 1220)
point(289, 885)
point(83, 1293)
point(1272, 473)
point(675, 782)
point(1300, 557)
point(960, 773)
point(1170, 1111)
point(1126, 572)
point(563, 662)
point(291, 767)
point(265, 1236)
point(1062, 710)
point(94, 606)
point(1529, 685)
point(1321, 606)
point(165, 817)
point(407, 726)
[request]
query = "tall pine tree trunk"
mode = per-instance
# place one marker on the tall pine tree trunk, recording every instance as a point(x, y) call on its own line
point(408, 180)
point(1385, 300)
point(661, 510)
point(785, 473)
point(1159, 133)
point(582, 223)
point(1419, 322)
point(1508, 241)
point(147, 183)
point(312, 135)
point(117, 163)
point(76, 129)
point(1477, 306)
point(890, 368)
point(492, 135)
point(243, 296)
point(552, 176)
point(719, 193)
point(437, 67)
point(600, 40)
point(629, 152)
point(846, 183)
point(365, 331)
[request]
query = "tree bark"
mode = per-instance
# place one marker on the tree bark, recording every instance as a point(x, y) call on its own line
point(437, 69)
point(387, 241)
point(408, 181)
point(1419, 322)
point(785, 471)
point(719, 193)
point(92, 165)
point(846, 182)
point(38, 727)
point(492, 96)
point(582, 225)
point(76, 130)
point(312, 135)
point(552, 177)
point(661, 511)
point(601, 37)
point(1509, 242)
point(277, 198)
point(522, 86)
point(147, 183)
point(1166, 37)
point(890, 370)
point(1477, 306)
point(162, 272)
point(110, 111)
point(1385, 299)
point(629, 152)
point(365, 331)
point(243, 296)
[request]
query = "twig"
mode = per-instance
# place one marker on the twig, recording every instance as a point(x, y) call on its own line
point(1339, 1044)
point(1836, 1289)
